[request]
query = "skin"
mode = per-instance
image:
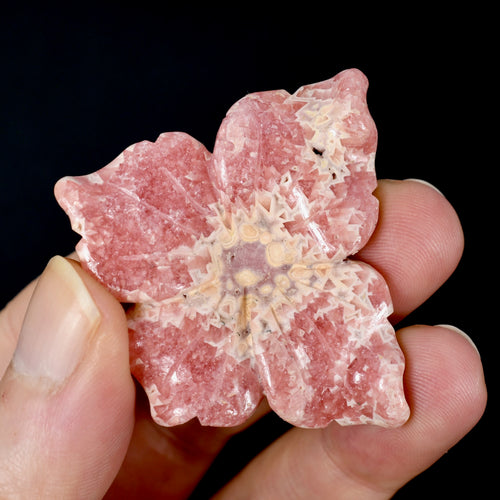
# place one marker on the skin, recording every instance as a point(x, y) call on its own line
point(94, 443)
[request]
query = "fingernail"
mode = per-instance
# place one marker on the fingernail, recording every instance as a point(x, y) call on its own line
point(425, 183)
point(60, 320)
point(463, 334)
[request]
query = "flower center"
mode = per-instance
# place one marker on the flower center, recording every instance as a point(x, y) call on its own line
point(254, 264)
point(254, 267)
point(258, 277)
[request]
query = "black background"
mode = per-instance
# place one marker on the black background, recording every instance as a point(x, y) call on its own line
point(80, 84)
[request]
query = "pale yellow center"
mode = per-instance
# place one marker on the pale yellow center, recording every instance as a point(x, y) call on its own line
point(247, 277)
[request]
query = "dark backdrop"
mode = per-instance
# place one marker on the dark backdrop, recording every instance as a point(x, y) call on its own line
point(80, 84)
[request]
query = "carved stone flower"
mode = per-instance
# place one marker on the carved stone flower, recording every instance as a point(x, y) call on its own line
point(237, 263)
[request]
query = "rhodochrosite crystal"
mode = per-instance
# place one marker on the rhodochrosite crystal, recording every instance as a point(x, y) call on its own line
point(237, 262)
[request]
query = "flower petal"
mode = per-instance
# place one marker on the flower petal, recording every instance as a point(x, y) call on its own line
point(140, 216)
point(258, 142)
point(313, 151)
point(340, 210)
point(337, 358)
point(187, 371)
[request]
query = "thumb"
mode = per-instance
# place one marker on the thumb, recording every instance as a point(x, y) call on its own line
point(66, 399)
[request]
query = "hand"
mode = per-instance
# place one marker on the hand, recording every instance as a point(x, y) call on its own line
point(67, 422)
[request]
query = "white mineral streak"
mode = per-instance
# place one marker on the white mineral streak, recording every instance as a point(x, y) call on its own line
point(303, 207)
point(95, 178)
point(318, 236)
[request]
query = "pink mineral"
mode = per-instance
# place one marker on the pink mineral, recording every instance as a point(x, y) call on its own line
point(238, 263)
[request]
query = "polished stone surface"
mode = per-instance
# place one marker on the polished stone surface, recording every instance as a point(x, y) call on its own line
point(238, 263)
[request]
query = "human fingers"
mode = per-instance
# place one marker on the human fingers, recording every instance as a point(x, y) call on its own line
point(445, 387)
point(168, 462)
point(417, 244)
point(413, 219)
point(11, 320)
point(66, 399)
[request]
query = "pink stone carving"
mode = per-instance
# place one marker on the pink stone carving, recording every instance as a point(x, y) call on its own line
point(237, 263)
